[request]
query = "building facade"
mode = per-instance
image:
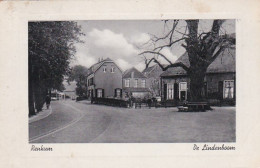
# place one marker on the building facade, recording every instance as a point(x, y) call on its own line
point(134, 84)
point(153, 79)
point(70, 89)
point(219, 82)
point(104, 80)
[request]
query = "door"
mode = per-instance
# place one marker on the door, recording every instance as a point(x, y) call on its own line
point(183, 95)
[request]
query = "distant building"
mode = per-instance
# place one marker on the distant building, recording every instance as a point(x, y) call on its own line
point(104, 79)
point(153, 79)
point(134, 83)
point(70, 89)
point(219, 83)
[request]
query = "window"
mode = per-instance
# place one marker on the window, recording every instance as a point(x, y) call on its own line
point(170, 91)
point(105, 69)
point(143, 83)
point(127, 83)
point(99, 93)
point(228, 89)
point(112, 69)
point(183, 91)
point(90, 81)
point(136, 83)
point(183, 86)
point(118, 92)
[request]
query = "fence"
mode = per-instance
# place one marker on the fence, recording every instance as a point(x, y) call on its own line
point(110, 102)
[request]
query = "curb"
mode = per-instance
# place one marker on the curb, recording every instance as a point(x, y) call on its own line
point(41, 115)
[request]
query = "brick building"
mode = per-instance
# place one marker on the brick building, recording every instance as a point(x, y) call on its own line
point(104, 79)
point(134, 83)
point(153, 79)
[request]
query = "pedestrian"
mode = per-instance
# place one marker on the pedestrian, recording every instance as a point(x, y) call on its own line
point(154, 102)
point(48, 101)
point(149, 102)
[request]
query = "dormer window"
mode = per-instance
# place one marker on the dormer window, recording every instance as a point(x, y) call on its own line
point(112, 69)
point(104, 69)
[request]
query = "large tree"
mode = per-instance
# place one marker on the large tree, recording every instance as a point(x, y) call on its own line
point(202, 49)
point(51, 47)
point(79, 74)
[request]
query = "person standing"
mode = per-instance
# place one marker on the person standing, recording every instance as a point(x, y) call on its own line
point(149, 102)
point(47, 101)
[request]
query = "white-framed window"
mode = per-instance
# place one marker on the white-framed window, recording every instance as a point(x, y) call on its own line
point(118, 92)
point(127, 83)
point(183, 90)
point(170, 90)
point(104, 69)
point(112, 69)
point(136, 83)
point(99, 93)
point(228, 92)
point(143, 83)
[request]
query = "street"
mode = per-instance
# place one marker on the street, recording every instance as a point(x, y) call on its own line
point(82, 122)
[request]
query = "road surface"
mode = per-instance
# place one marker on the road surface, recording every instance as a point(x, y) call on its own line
point(82, 122)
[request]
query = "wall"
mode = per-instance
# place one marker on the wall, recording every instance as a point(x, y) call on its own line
point(108, 81)
point(176, 79)
point(211, 79)
point(212, 82)
point(132, 82)
point(152, 78)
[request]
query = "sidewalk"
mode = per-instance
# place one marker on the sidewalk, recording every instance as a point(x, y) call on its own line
point(41, 115)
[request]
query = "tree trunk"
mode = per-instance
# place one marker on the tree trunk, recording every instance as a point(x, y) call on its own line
point(197, 74)
point(31, 100)
point(196, 87)
point(30, 89)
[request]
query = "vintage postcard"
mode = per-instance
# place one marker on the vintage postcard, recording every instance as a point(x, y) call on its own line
point(126, 83)
point(129, 84)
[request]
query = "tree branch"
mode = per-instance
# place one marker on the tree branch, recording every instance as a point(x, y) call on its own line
point(220, 50)
point(178, 64)
point(216, 27)
point(168, 45)
point(156, 53)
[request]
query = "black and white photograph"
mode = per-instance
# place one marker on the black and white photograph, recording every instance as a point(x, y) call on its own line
point(132, 81)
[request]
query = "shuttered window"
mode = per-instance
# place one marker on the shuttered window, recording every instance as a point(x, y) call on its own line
point(170, 91)
point(228, 89)
point(100, 93)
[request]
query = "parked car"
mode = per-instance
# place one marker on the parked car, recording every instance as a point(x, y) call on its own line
point(54, 98)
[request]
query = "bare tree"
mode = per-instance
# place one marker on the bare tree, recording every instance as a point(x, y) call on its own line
point(202, 49)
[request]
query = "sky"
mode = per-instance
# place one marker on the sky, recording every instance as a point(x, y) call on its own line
point(122, 41)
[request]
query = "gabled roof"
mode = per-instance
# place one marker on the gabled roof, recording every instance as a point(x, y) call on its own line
point(96, 66)
point(225, 62)
point(149, 69)
point(136, 73)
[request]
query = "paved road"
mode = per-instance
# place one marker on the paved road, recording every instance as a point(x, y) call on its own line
point(73, 122)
